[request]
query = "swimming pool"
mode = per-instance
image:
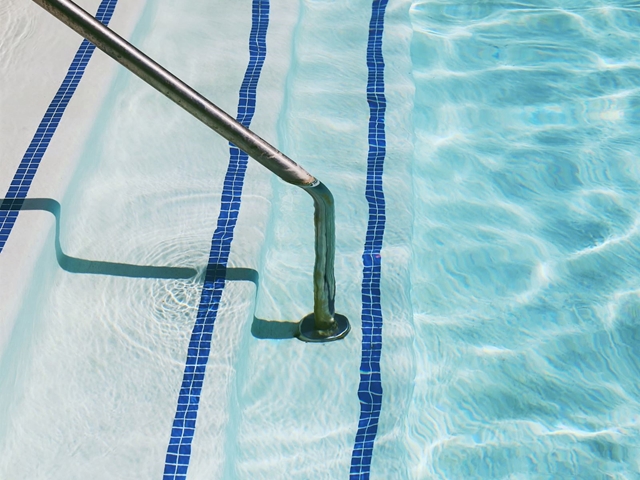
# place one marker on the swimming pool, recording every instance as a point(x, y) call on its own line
point(493, 162)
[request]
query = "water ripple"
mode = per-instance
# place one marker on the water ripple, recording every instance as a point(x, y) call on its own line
point(526, 287)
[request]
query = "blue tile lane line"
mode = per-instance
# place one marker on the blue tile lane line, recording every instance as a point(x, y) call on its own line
point(184, 424)
point(31, 160)
point(370, 389)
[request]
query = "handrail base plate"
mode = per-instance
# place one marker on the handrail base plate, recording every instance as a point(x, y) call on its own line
point(308, 332)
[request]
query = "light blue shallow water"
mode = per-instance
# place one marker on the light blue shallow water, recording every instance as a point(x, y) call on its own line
point(526, 273)
point(510, 284)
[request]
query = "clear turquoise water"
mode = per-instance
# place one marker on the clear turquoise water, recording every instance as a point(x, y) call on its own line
point(526, 274)
point(510, 281)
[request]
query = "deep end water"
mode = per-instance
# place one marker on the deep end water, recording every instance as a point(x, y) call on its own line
point(526, 281)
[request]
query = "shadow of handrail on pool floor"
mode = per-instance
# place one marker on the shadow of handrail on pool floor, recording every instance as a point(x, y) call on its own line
point(274, 329)
point(263, 329)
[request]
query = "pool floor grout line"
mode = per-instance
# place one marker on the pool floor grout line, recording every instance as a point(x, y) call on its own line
point(184, 424)
point(23, 178)
point(370, 388)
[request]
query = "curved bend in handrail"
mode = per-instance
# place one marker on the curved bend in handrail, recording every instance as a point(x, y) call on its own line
point(323, 324)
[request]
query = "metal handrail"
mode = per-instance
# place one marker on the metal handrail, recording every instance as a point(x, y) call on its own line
point(323, 324)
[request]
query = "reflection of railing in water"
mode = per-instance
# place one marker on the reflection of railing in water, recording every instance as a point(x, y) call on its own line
point(323, 324)
point(260, 328)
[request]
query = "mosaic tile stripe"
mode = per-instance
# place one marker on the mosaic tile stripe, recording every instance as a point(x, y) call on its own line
point(31, 160)
point(370, 388)
point(184, 424)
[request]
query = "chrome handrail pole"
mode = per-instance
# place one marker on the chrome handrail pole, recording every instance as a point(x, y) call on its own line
point(326, 324)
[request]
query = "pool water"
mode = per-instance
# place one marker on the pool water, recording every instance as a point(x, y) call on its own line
point(525, 269)
point(509, 278)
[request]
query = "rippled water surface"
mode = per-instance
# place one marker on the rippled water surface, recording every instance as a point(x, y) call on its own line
point(526, 275)
point(511, 268)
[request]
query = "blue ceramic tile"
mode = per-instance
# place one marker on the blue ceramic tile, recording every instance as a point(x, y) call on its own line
point(370, 388)
point(200, 342)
